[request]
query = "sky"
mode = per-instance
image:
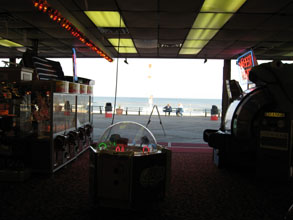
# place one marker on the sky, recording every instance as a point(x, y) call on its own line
point(161, 78)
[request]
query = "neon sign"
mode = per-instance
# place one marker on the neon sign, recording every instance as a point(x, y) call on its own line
point(145, 147)
point(120, 148)
point(75, 79)
point(101, 146)
point(246, 62)
point(275, 114)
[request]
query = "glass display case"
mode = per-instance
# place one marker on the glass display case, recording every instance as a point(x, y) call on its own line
point(15, 130)
point(83, 109)
point(37, 117)
point(15, 110)
point(64, 109)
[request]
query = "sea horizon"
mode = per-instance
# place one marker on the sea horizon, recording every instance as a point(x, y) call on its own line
point(192, 106)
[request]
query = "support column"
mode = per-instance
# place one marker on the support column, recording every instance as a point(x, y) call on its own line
point(225, 99)
point(35, 46)
point(12, 62)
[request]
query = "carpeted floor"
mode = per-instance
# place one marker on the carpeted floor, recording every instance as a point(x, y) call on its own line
point(198, 190)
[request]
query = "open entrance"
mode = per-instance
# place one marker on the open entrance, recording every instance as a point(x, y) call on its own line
point(193, 85)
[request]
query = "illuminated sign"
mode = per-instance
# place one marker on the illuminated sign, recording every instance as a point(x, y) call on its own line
point(74, 65)
point(275, 114)
point(145, 147)
point(246, 62)
point(120, 147)
point(103, 146)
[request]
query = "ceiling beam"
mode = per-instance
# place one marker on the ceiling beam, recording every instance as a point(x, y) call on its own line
point(65, 13)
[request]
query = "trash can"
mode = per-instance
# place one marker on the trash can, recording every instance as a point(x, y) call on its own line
point(108, 110)
point(214, 113)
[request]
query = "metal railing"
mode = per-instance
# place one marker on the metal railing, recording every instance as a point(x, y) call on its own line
point(143, 111)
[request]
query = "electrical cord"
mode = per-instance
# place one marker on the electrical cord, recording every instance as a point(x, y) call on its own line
point(117, 71)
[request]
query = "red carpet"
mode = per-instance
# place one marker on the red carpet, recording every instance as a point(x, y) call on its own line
point(198, 190)
point(176, 144)
point(191, 149)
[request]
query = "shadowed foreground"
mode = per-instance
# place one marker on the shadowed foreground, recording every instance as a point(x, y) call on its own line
point(198, 190)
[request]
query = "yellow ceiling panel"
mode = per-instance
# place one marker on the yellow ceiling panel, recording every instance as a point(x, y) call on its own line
point(126, 49)
point(211, 20)
point(201, 34)
point(8, 43)
point(105, 18)
point(189, 51)
point(222, 5)
point(124, 42)
point(194, 43)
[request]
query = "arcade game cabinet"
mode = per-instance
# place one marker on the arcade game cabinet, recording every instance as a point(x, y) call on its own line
point(257, 134)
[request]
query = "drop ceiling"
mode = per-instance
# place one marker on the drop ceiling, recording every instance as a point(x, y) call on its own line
point(157, 28)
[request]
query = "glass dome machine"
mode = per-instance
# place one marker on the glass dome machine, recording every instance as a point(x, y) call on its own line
point(128, 168)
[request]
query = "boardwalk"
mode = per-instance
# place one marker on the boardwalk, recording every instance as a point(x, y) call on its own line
point(186, 129)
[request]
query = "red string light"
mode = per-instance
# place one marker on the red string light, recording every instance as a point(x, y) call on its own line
point(40, 7)
point(43, 6)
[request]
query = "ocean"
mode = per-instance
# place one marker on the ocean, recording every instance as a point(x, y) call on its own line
point(191, 106)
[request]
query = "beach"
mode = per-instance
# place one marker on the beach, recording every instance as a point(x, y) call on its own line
point(184, 131)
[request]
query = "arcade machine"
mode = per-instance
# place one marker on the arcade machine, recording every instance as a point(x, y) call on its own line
point(257, 134)
point(47, 114)
point(15, 131)
point(128, 169)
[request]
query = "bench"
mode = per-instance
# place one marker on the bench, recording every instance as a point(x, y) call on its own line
point(173, 110)
point(139, 110)
point(100, 108)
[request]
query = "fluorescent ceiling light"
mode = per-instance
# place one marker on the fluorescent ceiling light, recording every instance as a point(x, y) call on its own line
point(123, 42)
point(213, 15)
point(105, 18)
point(211, 20)
point(126, 45)
point(8, 43)
point(201, 34)
point(189, 51)
point(289, 54)
point(194, 43)
point(222, 5)
point(126, 49)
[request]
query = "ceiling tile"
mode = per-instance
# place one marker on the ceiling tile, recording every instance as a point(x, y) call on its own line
point(94, 5)
point(176, 19)
point(226, 35)
point(140, 19)
point(145, 43)
point(144, 33)
point(246, 21)
point(256, 35)
point(164, 51)
point(172, 34)
point(182, 5)
point(217, 44)
point(147, 50)
point(263, 6)
point(281, 36)
point(26, 5)
point(277, 23)
point(42, 21)
point(134, 5)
